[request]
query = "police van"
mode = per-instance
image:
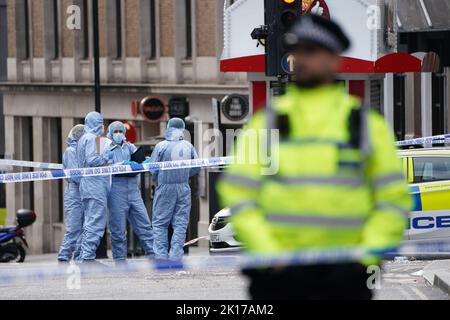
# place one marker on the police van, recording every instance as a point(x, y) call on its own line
point(428, 174)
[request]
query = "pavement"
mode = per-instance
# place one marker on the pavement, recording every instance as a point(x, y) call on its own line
point(401, 280)
point(213, 283)
point(404, 280)
point(438, 274)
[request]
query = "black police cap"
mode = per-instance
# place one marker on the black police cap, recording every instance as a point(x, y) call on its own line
point(317, 30)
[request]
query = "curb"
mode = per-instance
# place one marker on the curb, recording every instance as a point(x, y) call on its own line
point(442, 284)
point(437, 274)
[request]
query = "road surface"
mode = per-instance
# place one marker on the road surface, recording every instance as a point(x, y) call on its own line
point(402, 280)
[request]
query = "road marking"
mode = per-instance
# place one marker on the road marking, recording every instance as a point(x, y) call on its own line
point(418, 273)
point(419, 293)
point(406, 294)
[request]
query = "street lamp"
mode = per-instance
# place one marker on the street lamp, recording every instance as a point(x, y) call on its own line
point(102, 248)
point(97, 87)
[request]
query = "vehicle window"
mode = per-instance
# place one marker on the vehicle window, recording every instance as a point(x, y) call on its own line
point(431, 169)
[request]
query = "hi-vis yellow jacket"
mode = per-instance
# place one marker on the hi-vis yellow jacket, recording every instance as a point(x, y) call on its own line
point(327, 192)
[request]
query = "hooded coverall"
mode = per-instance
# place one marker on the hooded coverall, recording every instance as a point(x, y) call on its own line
point(172, 204)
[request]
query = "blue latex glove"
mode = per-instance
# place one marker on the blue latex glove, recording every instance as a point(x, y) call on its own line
point(109, 157)
point(147, 160)
point(131, 163)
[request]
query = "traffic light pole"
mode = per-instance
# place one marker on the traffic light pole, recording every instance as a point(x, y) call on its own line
point(280, 15)
point(97, 86)
point(282, 85)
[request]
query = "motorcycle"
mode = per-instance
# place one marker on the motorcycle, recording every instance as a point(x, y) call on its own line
point(12, 239)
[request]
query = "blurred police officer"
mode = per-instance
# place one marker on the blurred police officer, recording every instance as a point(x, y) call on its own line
point(339, 182)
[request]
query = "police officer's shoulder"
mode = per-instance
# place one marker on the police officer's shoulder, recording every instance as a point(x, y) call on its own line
point(284, 103)
point(376, 115)
point(258, 121)
point(379, 127)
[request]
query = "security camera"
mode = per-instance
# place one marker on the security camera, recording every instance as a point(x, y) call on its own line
point(261, 33)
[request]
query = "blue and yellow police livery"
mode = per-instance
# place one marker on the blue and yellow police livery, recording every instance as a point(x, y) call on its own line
point(428, 173)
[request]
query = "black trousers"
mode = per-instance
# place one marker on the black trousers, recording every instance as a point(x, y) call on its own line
point(321, 282)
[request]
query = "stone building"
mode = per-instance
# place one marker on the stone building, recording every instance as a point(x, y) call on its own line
point(163, 48)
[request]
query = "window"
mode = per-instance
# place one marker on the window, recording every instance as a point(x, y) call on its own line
point(431, 169)
point(119, 36)
point(3, 43)
point(26, 26)
point(55, 22)
point(25, 139)
point(55, 156)
point(188, 29)
point(399, 106)
point(85, 30)
point(152, 54)
point(376, 92)
point(438, 103)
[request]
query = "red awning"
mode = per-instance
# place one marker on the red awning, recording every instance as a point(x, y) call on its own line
point(353, 65)
point(398, 62)
point(244, 64)
point(391, 63)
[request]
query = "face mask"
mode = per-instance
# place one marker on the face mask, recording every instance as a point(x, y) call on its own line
point(118, 138)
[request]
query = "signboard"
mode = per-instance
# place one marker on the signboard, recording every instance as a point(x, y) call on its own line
point(179, 108)
point(318, 7)
point(153, 109)
point(235, 107)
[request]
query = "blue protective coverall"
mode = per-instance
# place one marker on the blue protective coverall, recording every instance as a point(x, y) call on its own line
point(93, 190)
point(172, 203)
point(125, 202)
point(73, 206)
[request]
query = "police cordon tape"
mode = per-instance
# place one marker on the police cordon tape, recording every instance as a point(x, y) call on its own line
point(113, 170)
point(57, 172)
point(30, 164)
point(440, 139)
point(11, 273)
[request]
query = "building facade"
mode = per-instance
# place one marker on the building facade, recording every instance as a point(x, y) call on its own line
point(162, 48)
point(171, 49)
point(418, 103)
